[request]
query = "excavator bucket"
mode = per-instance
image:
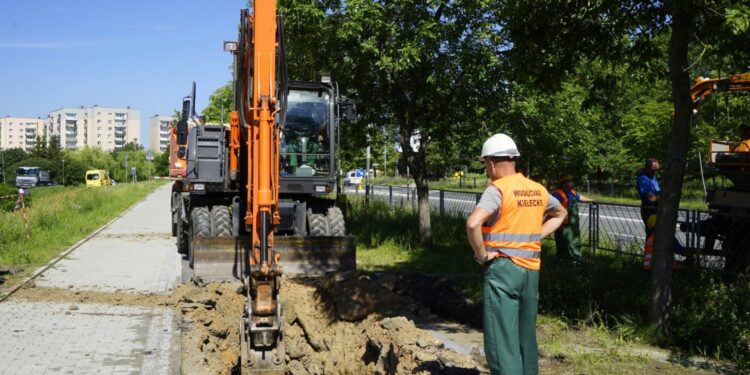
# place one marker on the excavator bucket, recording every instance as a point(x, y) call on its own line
point(224, 257)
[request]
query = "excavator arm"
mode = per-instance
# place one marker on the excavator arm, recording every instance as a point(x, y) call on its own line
point(704, 87)
point(254, 137)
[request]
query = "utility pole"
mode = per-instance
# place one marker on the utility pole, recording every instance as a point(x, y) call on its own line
point(367, 174)
point(63, 162)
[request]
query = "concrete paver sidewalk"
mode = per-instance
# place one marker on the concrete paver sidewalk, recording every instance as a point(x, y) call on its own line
point(135, 254)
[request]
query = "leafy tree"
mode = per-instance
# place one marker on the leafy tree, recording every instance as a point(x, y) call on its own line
point(161, 164)
point(54, 150)
point(422, 66)
point(8, 159)
point(40, 148)
point(221, 98)
point(618, 33)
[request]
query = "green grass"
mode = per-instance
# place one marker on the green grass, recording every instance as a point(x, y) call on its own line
point(607, 295)
point(61, 216)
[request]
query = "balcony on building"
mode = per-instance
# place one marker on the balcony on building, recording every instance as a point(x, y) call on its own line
point(70, 117)
point(120, 117)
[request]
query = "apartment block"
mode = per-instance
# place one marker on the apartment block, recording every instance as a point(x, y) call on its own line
point(20, 132)
point(105, 127)
point(159, 132)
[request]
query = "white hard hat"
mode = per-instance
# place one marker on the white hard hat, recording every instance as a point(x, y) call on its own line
point(500, 145)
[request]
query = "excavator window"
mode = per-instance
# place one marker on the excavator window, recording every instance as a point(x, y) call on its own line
point(305, 136)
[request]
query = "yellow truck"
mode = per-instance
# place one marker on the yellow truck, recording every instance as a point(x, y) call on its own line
point(97, 177)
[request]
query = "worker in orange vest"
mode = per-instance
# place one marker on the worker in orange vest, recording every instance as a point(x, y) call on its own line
point(568, 235)
point(505, 230)
point(648, 250)
point(744, 145)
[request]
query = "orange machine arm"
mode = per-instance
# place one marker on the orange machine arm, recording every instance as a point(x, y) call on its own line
point(257, 107)
point(704, 86)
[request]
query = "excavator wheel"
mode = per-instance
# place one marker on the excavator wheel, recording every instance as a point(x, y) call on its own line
point(317, 224)
point(336, 224)
point(221, 221)
point(200, 227)
point(182, 238)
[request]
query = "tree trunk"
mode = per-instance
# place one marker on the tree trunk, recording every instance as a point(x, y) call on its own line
point(417, 163)
point(674, 170)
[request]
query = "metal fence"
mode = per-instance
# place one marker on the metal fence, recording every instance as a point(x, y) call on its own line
point(604, 226)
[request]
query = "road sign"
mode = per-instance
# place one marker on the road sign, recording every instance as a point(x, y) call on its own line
point(132, 171)
point(149, 156)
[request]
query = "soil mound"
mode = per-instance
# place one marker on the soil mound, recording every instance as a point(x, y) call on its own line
point(343, 324)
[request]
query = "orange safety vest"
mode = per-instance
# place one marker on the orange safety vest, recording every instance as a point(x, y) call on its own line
point(564, 200)
point(744, 146)
point(518, 233)
point(648, 254)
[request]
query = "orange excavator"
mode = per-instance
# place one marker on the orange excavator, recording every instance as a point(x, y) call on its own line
point(257, 198)
point(726, 228)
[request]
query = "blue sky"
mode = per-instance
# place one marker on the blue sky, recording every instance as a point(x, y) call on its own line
point(137, 53)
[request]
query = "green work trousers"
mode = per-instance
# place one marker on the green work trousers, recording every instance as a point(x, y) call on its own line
point(511, 294)
point(568, 236)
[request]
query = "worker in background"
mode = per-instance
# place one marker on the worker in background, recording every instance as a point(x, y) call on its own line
point(744, 145)
point(648, 250)
point(648, 188)
point(505, 230)
point(568, 235)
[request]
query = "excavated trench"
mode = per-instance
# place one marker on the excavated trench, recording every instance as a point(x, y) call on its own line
point(344, 324)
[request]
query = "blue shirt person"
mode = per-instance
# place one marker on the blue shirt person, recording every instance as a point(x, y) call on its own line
point(649, 189)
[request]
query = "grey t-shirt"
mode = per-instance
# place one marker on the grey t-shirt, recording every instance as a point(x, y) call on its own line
point(492, 198)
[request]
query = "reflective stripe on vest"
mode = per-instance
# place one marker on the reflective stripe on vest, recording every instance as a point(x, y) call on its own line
point(648, 252)
point(512, 237)
point(519, 253)
point(517, 232)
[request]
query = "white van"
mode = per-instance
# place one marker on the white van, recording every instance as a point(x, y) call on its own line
point(353, 177)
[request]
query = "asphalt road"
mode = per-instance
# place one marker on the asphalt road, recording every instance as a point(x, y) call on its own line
point(620, 227)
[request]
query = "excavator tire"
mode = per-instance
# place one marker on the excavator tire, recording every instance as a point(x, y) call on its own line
point(182, 238)
point(317, 224)
point(221, 221)
point(336, 224)
point(200, 227)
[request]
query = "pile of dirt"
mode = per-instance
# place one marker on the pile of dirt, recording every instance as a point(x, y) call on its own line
point(210, 327)
point(346, 324)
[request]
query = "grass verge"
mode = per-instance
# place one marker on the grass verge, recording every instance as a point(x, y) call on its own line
point(61, 216)
point(609, 292)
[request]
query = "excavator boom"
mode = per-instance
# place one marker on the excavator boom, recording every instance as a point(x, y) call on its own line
point(705, 87)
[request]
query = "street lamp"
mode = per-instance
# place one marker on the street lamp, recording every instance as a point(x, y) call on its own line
point(63, 162)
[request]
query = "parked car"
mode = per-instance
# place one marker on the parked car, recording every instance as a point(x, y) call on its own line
point(354, 177)
point(97, 177)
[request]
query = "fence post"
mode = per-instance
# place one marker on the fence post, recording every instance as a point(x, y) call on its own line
point(390, 195)
point(414, 199)
point(442, 202)
point(475, 182)
point(595, 225)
